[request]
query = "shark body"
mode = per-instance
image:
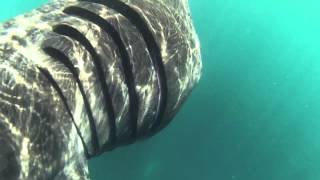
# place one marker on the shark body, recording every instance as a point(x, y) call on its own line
point(78, 78)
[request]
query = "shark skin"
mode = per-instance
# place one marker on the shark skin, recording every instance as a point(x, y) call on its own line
point(82, 77)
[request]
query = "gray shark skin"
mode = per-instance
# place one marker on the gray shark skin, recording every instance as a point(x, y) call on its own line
point(81, 77)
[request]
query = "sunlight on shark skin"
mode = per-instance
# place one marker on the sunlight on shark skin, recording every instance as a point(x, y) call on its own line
point(79, 78)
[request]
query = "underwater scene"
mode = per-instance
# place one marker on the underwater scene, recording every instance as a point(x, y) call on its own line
point(255, 113)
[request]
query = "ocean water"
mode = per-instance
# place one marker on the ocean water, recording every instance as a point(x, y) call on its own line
point(255, 114)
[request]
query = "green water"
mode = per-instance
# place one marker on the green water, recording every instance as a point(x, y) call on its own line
point(256, 112)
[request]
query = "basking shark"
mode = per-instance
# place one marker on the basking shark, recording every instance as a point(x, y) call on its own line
point(82, 77)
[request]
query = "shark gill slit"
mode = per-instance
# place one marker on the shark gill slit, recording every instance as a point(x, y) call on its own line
point(126, 65)
point(153, 48)
point(74, 34)
point(55, 85)
point(56, 54)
